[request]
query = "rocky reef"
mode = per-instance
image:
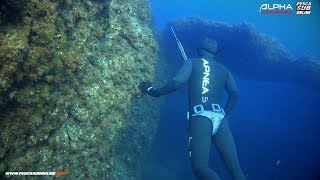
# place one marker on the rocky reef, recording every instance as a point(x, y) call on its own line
point(244, 50)
point(69, 99)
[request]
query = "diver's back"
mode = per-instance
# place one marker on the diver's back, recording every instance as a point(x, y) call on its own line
point(207, 82)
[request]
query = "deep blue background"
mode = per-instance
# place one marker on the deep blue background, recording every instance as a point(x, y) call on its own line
point(299, 33)
point(272, 121)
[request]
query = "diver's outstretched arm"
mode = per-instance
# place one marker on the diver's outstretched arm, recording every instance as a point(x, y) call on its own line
point(181, 77)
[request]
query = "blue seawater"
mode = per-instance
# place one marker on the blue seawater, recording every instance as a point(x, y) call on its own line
point(275, 125)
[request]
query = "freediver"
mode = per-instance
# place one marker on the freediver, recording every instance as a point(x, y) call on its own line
point(207, 80)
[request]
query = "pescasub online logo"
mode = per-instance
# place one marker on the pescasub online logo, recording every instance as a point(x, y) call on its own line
point(303, 8)
point(278, 8)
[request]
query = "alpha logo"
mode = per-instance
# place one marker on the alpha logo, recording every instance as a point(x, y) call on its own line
point(303, 8)
point(276, 9)
point(205, 80)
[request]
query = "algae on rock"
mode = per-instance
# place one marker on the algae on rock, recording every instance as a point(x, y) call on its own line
point(69, 99)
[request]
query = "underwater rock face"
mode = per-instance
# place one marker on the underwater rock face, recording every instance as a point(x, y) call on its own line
point(244, 50)
point(69, 99)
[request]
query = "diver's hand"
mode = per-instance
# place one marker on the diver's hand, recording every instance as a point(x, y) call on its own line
point(146, 87)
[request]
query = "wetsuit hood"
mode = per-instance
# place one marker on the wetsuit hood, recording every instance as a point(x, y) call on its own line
point(208, 47)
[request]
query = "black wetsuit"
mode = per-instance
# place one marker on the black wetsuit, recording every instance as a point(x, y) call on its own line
point(207, 80)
